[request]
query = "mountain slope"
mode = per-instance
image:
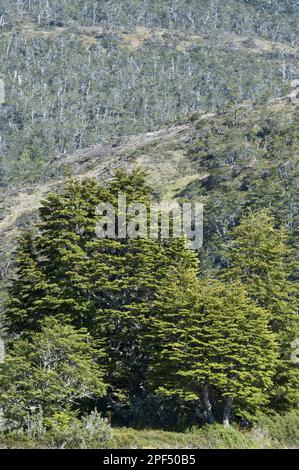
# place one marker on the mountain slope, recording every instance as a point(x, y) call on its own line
point(243, 158)
point(77, 73)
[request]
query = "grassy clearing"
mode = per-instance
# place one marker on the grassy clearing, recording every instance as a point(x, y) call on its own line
point(276, 432)
point(128, 438)
point(212, 437)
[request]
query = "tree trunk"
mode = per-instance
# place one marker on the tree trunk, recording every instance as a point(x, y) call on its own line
point(227, 410)
point(207, 403)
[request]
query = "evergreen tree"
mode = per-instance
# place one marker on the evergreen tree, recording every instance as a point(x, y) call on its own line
point(240, 349)
point(104, 284)
point(124, 273)
point(261, 259)
point(67, 225)
point(52, 262)
point(212, 344)
point(24, 307)
point(52, 370)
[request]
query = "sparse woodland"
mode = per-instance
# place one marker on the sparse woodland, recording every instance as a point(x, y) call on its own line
point(77, 73)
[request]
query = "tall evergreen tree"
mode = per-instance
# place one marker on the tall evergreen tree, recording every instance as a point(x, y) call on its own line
point(104, 284)
point(24, 306)
point(261, 259)
point(211, 344)
point(67, 225)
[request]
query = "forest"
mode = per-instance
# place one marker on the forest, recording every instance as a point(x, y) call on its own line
point(117, 342)
point(134, 328)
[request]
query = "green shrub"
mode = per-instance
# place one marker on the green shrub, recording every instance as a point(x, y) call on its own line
point(34, 425)
point(60, 421)
point(283, 430)
point(92, 431)
point(217, 436)
point(63, 430)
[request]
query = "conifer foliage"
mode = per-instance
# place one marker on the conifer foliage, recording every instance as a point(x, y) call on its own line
point(126, 318)
point(214, 345)
point(51, 371)
point(263, 261)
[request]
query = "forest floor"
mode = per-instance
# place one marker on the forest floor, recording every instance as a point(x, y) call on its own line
point(208, 437)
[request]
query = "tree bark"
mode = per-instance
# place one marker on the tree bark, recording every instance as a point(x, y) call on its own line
point(207, 404)
point(227, 411)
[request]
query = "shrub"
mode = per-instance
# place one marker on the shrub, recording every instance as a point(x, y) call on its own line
point(60, 421)
point(92, 431)
point(282, 429)
point(217, 436)
point(34, 425)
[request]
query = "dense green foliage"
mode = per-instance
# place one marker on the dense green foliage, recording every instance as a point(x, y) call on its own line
point(213, 349)
point(202, 336)
point(50, 371)
point(260, 258)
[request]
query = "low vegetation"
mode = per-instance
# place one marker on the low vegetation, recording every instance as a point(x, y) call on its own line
point(276, 432)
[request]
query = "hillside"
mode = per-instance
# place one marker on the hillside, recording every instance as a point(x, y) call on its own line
point(225, 160)
point(78, 74)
